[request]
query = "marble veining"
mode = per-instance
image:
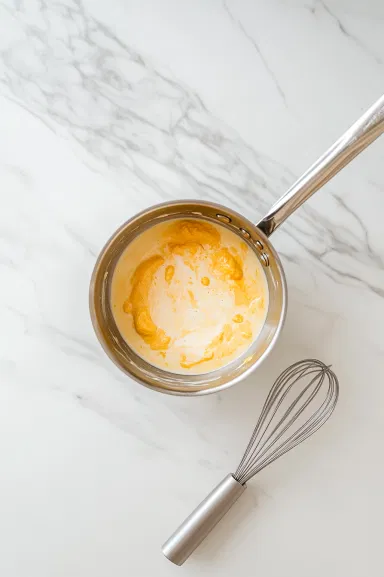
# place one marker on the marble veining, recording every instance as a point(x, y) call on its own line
point(107, 108)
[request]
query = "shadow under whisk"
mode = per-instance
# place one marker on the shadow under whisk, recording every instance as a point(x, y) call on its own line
point(300, 401)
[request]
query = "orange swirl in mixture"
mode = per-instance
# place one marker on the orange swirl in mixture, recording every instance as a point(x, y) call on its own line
point(184, 302)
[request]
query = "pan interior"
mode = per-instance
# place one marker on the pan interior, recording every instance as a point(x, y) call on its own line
point(133, 364)
point(189, 296)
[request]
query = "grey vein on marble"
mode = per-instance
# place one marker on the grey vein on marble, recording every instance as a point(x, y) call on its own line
point(132, 118)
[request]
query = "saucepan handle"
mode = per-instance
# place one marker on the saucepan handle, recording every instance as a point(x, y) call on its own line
point(360, 135)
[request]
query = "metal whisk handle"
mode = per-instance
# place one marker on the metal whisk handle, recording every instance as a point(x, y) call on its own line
point(203, 519)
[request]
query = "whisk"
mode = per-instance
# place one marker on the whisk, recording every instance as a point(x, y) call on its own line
point(287, 418)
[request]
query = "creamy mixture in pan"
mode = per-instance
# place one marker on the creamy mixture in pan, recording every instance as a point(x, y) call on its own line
point(189, 296)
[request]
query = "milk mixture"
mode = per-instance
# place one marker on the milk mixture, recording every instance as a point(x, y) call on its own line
point(189, 296)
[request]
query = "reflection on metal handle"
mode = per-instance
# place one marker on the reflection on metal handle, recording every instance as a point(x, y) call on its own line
point(203, 519)
point(360, 135)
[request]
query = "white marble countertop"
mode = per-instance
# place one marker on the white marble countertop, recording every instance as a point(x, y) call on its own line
point(106, 108)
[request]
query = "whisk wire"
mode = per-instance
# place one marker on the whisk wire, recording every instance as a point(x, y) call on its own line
point(267, 441)
point(272, 440)
point(257, 447)
point(263, 415)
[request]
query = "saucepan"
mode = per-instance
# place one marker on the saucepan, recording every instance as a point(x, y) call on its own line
point(357, 138)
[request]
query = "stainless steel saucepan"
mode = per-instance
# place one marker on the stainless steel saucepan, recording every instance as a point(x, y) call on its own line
point(356, 139)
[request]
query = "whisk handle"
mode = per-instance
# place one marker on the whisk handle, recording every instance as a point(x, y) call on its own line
point(203, 519)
